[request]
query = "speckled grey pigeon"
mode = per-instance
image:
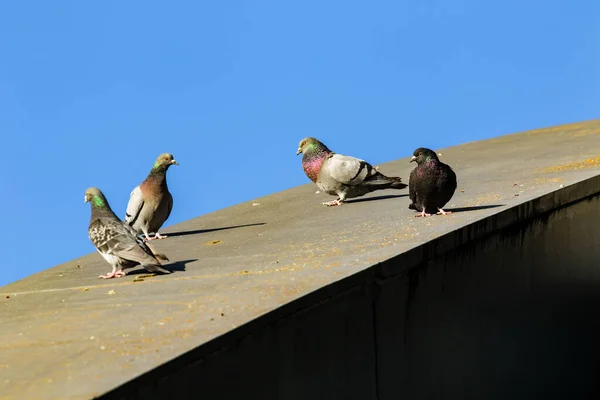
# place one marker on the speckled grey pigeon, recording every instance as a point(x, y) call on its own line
point(150, 203)
point(431, 184)
point(339, 175)
point(117, 242)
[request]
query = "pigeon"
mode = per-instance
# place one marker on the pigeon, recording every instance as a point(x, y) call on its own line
point(116, 241)
point(150, 203)
point(431, 184)
point(339, 175)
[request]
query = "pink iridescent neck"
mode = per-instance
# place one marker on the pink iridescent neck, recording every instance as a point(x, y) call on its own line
point(311, 163)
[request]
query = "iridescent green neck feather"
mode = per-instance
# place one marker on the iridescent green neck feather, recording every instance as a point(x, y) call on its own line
point(99, 202)
point(316, 150)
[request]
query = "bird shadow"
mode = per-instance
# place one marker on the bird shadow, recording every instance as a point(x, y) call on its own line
point(388, 196)
point(177, 266)
point(474, 208)
point(198, 231)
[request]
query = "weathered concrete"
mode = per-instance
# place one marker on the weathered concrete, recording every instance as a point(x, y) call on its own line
point(291, 300)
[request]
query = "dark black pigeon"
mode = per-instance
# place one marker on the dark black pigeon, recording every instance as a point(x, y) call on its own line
point(116, 241)
point(431, 184)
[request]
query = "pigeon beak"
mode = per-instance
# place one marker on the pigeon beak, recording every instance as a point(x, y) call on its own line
point(413, 159)
point(299, 151)
point(85, 199)
point(174, 162)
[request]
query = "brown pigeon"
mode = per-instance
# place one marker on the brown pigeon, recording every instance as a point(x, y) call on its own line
point(150, 203)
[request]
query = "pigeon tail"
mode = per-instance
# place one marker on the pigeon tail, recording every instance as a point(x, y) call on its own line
point(161, 257)
point(397, 183)
point(156, 268)
point(158, 256)
point(385, 182)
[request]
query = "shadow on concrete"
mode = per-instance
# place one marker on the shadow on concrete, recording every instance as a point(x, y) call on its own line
point(474, 208)
point(198, 231)
point(389, 196)
point(177, 266)
point(458, 209)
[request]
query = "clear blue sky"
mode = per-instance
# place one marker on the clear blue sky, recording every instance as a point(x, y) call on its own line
point(92, 92)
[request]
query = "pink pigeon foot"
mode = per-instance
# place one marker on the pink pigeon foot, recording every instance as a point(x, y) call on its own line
point(423, 214)
point(113, 274)
point(333, 203)
point(156, 236)
point(442, 212)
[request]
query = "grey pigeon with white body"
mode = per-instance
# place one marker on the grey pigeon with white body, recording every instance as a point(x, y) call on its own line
point(150, 203)
point(431, 184)
point(339, 175)
point(117, 242)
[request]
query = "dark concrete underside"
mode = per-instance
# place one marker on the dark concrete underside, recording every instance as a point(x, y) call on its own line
point(294, 286)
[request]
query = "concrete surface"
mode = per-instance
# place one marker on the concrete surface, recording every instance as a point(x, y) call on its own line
point(282, 298)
